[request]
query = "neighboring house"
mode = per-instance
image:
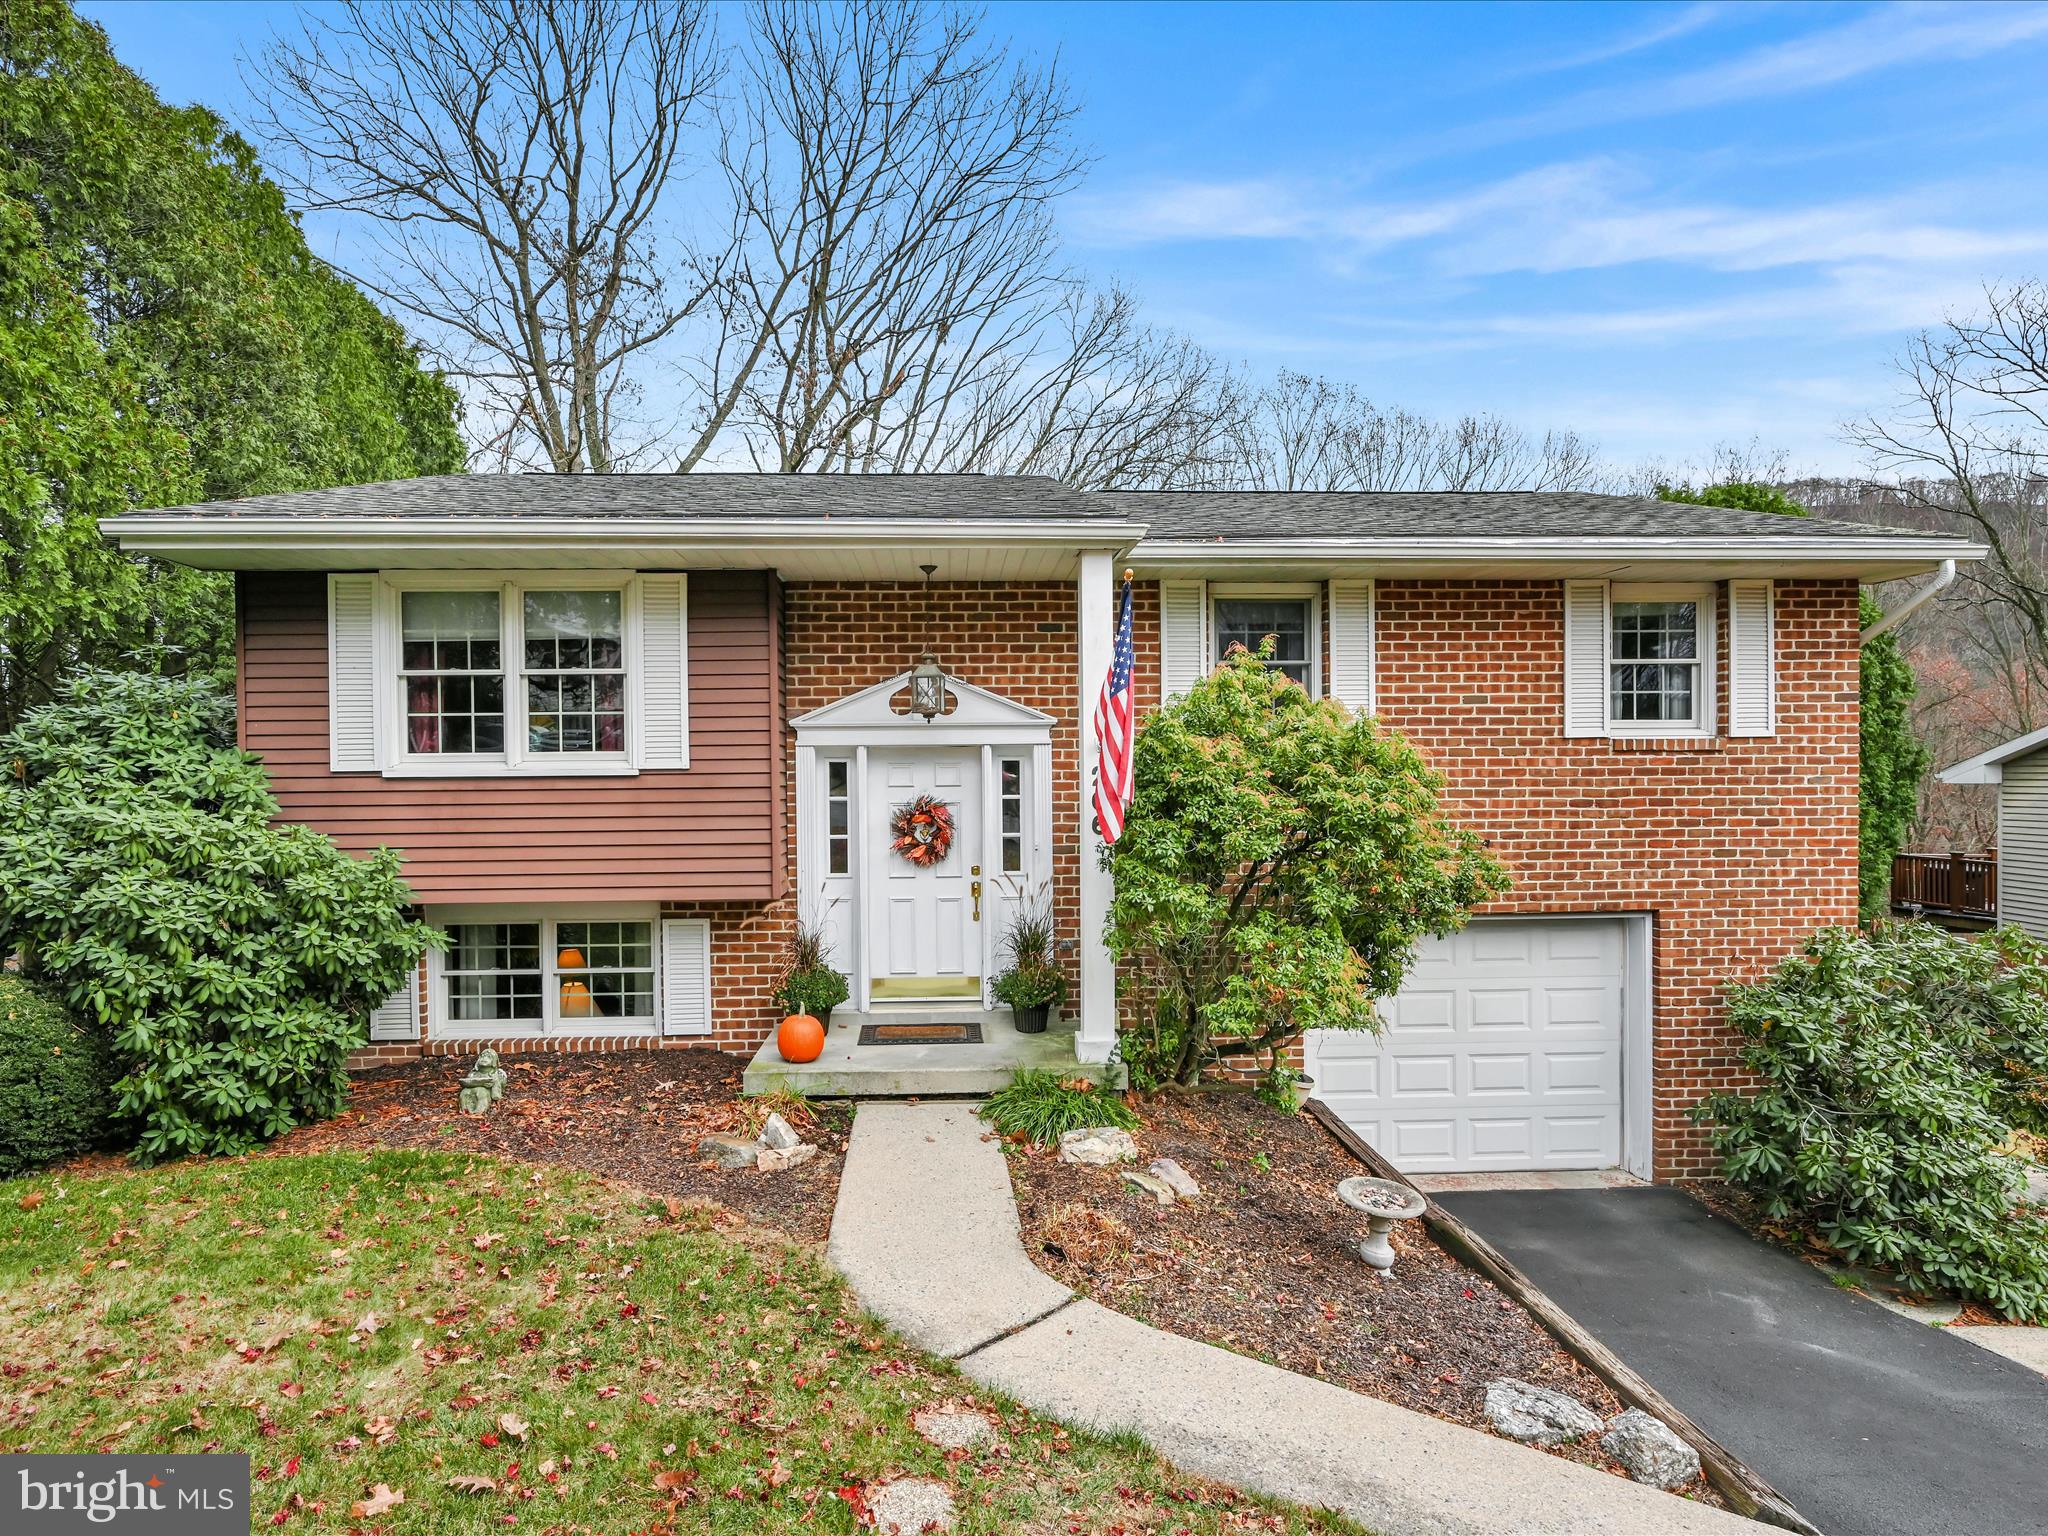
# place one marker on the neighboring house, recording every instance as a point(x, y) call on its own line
point(623, 728)
point(2020, 770)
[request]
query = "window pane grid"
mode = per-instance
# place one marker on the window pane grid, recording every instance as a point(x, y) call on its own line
point(493, 972)
point(1654, 663)
point(574, 661)
point(1010, 802)
point(838, 823)
point(451, 669)
point(1247, 622)
point(606, 970)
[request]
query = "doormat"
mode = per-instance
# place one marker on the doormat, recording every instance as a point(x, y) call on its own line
point(920, 1034)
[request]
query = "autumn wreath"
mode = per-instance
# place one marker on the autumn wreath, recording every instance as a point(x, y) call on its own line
point(922, 831)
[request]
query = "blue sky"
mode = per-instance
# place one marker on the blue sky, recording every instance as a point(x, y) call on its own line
point(1667, 226)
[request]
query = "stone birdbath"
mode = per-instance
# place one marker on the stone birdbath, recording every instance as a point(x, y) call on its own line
point(1384, 1202)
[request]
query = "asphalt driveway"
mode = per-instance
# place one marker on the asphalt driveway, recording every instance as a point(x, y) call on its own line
point(1868, 1422)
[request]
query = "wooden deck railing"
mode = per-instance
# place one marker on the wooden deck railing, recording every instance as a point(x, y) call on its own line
point(1959, 884)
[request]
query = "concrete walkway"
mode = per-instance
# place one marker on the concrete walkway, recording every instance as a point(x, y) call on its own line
point(926, 1233)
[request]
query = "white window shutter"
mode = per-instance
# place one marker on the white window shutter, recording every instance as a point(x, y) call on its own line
point(1585, 658)
point(352, 674)
point(664, 671)
point(398, 1016)
point(1752, 659)
point(1184, 658)
point(1353, 613)
point(685, 976)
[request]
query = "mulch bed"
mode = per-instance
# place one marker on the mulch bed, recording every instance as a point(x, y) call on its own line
point(634, 1116)
point(1266, 1263)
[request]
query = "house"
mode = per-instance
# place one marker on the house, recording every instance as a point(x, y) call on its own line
point(2020, 770)
point(625, 728)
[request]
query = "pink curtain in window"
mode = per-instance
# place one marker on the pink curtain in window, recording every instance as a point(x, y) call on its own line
point(425, 727)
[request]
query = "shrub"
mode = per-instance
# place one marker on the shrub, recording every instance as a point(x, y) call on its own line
point(1886, 1089)
point(809, 984)
point(1032, 978)
point(1040, 1105)
point(1279, 863)
point(231, 962)
point(56, 1092)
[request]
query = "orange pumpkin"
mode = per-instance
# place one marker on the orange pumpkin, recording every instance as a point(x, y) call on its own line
point(577, 1003)
point(800, 1038)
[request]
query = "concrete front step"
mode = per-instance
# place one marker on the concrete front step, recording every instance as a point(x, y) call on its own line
point(850, 1070)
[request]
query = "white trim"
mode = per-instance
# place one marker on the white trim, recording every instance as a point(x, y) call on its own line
point(1153, 554)
point(396, 762)
point(355, 732)
point(1309, 592)
point(551, 1024)
point(1638, 1045)
point(1705, 600)
point(981, 721)
point(1094, 624)
point(1184, 658)
point(683, 976)
point(1987, 767)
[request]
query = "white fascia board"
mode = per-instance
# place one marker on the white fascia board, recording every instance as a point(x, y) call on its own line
point(1762, 555)
point(1988, 767)
point(371, 537)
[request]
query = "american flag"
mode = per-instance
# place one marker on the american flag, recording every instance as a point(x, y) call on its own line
point(1113, 730)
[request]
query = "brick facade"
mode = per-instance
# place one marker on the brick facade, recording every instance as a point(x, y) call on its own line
point(1738, 848)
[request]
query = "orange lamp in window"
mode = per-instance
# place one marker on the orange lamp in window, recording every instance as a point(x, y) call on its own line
point(569, 960)
point(577, 1002)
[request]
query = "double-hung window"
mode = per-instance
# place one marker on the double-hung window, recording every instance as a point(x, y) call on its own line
point(460, 674)
point(1660, 647)
point(539, 974)
point(1248, 617)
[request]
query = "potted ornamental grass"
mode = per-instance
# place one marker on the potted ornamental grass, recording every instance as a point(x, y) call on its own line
point(809, 984)
point(1032, 983)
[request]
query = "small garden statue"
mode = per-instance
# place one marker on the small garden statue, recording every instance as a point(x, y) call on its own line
point(484, 1085)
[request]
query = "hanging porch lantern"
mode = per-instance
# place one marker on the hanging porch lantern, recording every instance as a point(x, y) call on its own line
point(928, 678)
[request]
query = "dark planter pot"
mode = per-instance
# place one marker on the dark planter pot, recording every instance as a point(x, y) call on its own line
point(1031, 1021)
point(823, 1016)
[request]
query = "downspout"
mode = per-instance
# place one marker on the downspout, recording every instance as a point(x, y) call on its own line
point(1911, 605)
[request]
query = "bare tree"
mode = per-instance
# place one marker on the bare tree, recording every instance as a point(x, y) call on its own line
point(1305, 432)
point(514, 159)
point(891, 179)
point(1969, 452)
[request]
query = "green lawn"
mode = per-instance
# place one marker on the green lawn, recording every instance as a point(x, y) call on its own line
point(594, 1360)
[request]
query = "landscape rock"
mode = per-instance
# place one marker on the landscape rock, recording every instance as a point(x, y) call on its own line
point(731, 1151)
point(906, 1506)
point(1649, 1450)
point(1538, 1415)
point(1098, 1146)
point(772, 1160)
point(1175, 1177)
point(1150, 1184)
point(777, 1135)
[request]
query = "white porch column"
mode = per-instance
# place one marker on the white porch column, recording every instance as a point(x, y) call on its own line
point(1093, 624)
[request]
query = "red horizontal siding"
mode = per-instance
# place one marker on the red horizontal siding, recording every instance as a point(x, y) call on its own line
point(711, 832)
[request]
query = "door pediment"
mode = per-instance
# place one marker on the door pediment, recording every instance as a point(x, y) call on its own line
point(978, 715)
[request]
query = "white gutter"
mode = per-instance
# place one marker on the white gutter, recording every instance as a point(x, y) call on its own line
point(1913, 604)
point(1212, 552)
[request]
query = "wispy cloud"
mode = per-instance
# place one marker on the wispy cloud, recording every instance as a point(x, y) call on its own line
point(1682, 23)
point(1888, 37)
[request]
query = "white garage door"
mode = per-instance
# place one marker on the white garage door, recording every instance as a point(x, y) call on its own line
point(1501, 1051)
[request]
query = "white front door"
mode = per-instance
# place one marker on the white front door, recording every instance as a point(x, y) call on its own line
point(1502, 1050)
point(924, 919)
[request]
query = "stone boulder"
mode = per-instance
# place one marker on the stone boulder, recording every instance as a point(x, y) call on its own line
point(1149, 1184)
point(1098, 1146)
point(1537, 1415)
point(1649, 1450)
point(1175, 1178)
point(730, 1151)
point(774, 1160)
point(777, 1136)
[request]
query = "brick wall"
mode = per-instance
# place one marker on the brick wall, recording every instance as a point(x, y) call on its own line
point(1738, 847)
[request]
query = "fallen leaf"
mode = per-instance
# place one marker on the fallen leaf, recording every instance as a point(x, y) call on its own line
point(382, 1499)
point(671, 1480)
point(469, 1482)
point(513, 1425)
point(31, 1200)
